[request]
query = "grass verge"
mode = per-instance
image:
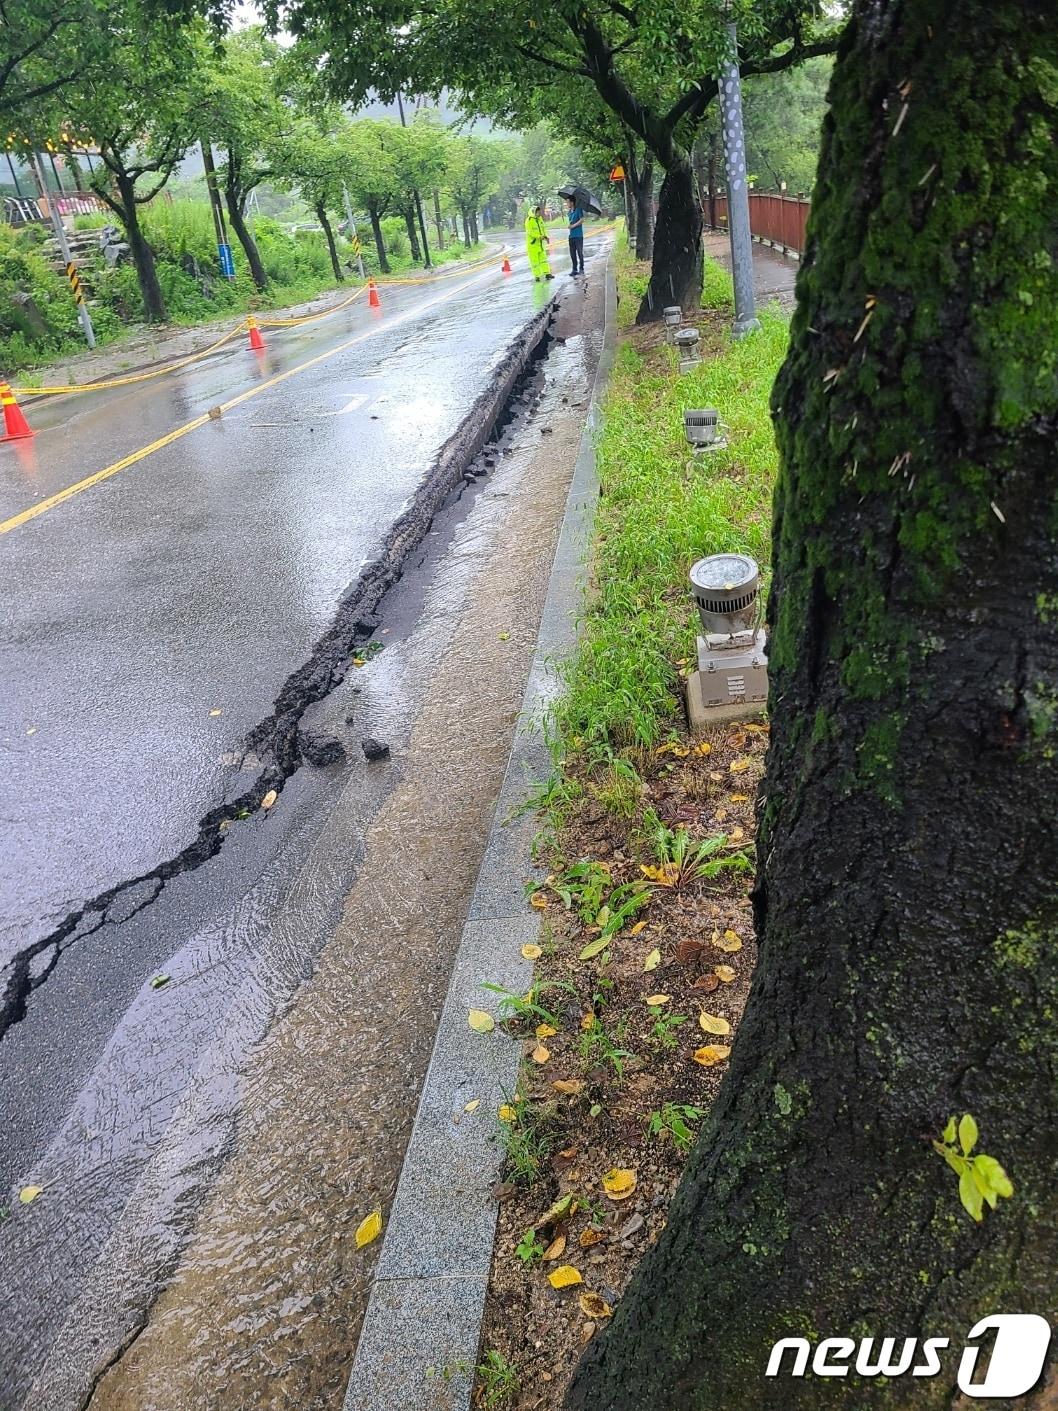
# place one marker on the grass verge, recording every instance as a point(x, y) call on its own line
point(646, 949)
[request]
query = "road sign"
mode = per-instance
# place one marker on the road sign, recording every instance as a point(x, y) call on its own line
point(227, 264)
point(75, 282)
point(618, 173)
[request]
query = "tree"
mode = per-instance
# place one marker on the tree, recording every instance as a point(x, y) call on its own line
point(906, 908)
point(141, 115)
point(474, 168)
point(246, 117)
point(311, 157)
point(653, 67)
point(370, 160)
point(48, 43)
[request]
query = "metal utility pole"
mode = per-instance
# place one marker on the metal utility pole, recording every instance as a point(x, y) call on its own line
point(64, 248)
point(737, 190)
point(352, 231)
point(227, 263)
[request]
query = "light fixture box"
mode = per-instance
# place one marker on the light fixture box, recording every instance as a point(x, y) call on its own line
point(730, 684)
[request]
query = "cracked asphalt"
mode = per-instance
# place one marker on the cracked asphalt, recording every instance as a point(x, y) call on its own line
point(218, 1135)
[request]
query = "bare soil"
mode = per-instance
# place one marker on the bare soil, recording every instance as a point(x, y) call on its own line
point(697, 938)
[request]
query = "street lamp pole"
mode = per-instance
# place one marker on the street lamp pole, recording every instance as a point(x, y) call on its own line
point(737, 191)
point(352, 230)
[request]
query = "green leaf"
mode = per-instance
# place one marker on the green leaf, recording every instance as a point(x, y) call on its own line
point(967, 1133)
point(949, 1130)
point(996, 1178)
point(593, 948)
point(970, 1195)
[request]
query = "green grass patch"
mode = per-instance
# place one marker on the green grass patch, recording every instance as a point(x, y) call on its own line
point(660, 509)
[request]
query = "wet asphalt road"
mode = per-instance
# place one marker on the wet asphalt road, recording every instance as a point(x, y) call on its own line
point(196, 580)
point(129, 1100)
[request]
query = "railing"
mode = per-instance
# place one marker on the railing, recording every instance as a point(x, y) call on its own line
point(777, 220)
point(25, 210)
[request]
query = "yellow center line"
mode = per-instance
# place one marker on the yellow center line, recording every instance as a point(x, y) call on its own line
point(63, 495)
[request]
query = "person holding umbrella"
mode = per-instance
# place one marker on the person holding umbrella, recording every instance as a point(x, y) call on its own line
point(575, 217)
point(536, 242)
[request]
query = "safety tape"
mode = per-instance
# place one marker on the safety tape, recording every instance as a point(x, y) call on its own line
point(132, 378)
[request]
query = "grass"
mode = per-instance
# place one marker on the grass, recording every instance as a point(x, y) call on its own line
point(660, 509)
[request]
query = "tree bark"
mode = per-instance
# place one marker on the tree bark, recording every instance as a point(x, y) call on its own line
point(142, 255)
point(474, 232)
point(332, 249)
point(242, 233)
point(644, 198)
point(466, 230)
point(438, 222)
point(629, 195)
point(422, 230)
point(380, 244)
point(676, 272)
point(413, 234)
point(906, 908)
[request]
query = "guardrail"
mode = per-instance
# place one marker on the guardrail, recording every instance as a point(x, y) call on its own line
point(27, 210)
point(774, 219)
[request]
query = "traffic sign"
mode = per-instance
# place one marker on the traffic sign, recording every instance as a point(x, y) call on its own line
point(227, 264)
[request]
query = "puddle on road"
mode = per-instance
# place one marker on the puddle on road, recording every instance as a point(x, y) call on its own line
point(263, 1310)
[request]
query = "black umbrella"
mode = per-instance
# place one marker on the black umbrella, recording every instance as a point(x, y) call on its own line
point(583, 198)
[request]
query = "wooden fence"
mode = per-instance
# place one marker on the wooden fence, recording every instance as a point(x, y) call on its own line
point(776, 220)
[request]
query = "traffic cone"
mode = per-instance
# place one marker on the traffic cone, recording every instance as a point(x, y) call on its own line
point(506, 265)
point(373, 301)
point(16, 427)
point(256, 341)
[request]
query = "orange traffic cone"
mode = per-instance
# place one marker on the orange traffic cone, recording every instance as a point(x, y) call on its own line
point(373, 301)
point(15, 424)
point(256, 341)
point(506, 265)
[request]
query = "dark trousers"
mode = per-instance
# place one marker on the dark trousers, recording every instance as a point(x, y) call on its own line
point(576, 252)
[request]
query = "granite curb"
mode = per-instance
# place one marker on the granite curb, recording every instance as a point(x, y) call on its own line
point(419, 1341)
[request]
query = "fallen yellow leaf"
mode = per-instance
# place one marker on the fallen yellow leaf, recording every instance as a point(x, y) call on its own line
point(590, 1236)
point(619, 1183)
point(729, 941)
point(28, 1194)
point(593, 1305)
point(269, 799)
point(587, 1021)
point(544, 1031)
point(473, 1105)
point(569, 1086)
point(507, 1113)
point(652, 961)
point(739, 766)
point(637, 928)
point(564, 1277)
point(532, 952)
point(481, 1021)
point(713, 1023)
point(657, 999)
point(555, 1248)
point(711, 1054)
point(724, 972)
point(738, 798)
point(539, 901)
point(369, 1229)
point(540, 1054)
point(216, 712)
point(704, 747)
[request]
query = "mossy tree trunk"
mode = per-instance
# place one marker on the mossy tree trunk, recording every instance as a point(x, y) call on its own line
point(676, 254)
point(907, 902)
point(328, 234)
point(375, 216)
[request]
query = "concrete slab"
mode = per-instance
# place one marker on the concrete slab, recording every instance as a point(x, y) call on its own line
point(413, 1353)
point(419, 1342)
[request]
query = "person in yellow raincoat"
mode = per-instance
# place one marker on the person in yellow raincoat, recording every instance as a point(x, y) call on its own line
point(536, 241)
